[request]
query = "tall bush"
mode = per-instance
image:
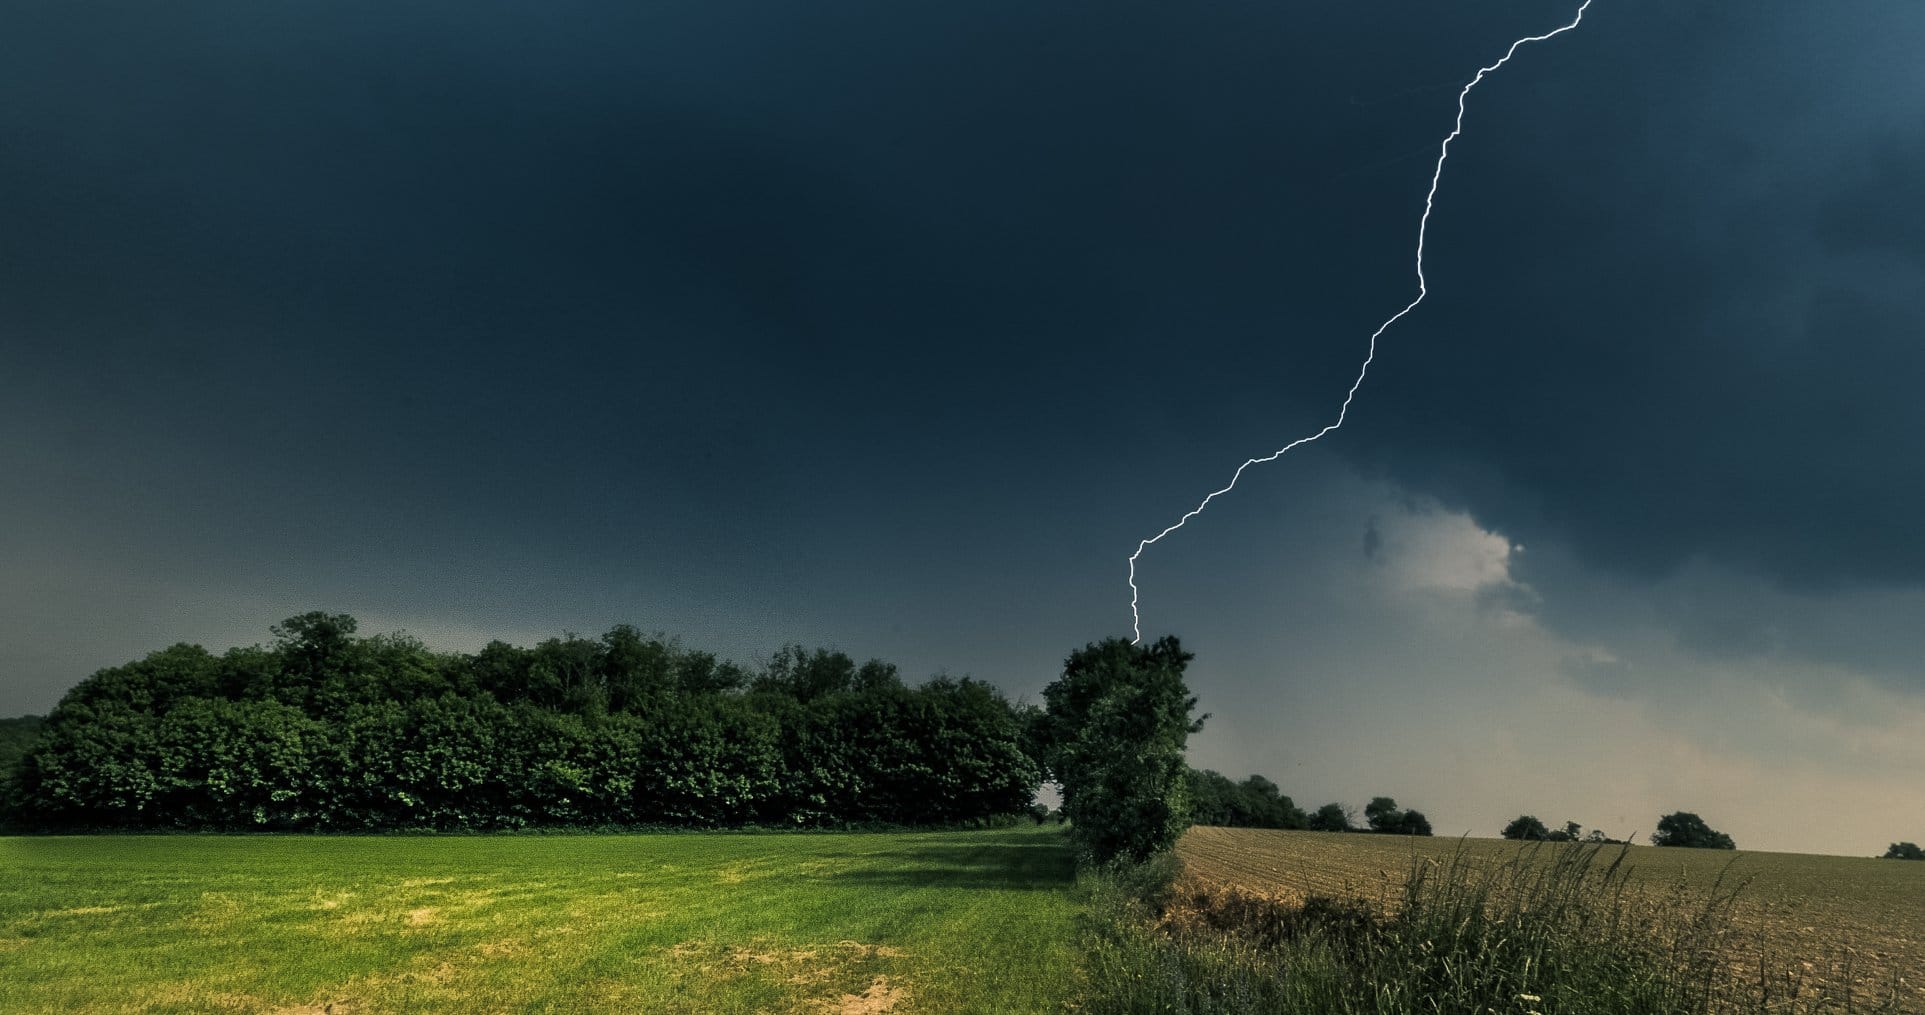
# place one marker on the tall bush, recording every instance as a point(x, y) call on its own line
point(1119, 719)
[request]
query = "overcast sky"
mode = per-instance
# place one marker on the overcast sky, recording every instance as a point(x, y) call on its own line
point(895, 327)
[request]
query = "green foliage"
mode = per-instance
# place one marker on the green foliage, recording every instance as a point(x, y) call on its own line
point(1687, 829)
point(1526, 827)
point(1149, 883)
point(1904, 851)
point(1331, 817)
point(1255, 802)
point(236, 764)
point(1556, 934)
point(17, 737)
point(1380, 811)
point(325, 730)
point(1387, 818)
point(1119, 719)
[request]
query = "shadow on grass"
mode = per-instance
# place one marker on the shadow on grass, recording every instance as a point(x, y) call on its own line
point(1042, 866)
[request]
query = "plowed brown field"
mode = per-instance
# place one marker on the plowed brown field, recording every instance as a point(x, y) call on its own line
point(1827, 921)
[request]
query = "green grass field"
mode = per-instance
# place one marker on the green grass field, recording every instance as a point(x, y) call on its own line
point(859, 922)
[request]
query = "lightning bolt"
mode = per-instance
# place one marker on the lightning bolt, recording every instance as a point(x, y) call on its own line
point(1423, 224)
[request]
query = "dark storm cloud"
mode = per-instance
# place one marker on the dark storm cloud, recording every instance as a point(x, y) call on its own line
point(312, 278)
point(1675, 310)
point(749, 305)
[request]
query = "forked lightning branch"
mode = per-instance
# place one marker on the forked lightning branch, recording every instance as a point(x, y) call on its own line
point(1136, 621)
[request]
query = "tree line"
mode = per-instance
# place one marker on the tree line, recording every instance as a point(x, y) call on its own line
point(1681, 828)
point(1256, 802)
point(324, 730)
point(1528, 828)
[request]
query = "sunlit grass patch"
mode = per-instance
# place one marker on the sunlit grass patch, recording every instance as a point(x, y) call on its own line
point(963, 921)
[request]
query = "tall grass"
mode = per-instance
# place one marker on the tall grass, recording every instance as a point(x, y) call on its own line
point(1557, 930)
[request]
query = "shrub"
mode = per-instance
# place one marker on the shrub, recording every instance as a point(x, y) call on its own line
point(1329, 818)
point(1553, 930)
point(1688, 830)
point(1385, 818)
point(1119, 719)
point(1526, 827)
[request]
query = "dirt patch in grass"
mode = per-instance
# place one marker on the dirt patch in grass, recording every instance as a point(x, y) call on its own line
point(881, 996)
point(810, 969)
point(769, 958)
point(863, 951)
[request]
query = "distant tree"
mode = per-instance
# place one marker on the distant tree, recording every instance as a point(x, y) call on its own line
point(1382, 814)
point(501, 670)
point(1256, 802)
point(875, 675)
point(1684, 828)
point(321, 662)
point(702, 673)
point(1526, 826)
point(1120, 717)
point(1571, 833)
point(1212, 798)
point(634, 669)
point(568, 673)
point(807, 675)
point(1904, 851)
point(17, 738)
point(1331, 817)
point(1263, 805)
point(1386, 818)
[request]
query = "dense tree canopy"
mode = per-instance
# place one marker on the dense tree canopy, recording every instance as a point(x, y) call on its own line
point(1118, 721)
point(1687, 829)
point(324, 729)
point(1904, 851)
point(1256, 802)
point(17, 737)
point(1385, 817)
point(1331, 817)
point(1526, 826)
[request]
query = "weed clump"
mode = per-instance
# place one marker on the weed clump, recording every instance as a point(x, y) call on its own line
point(1556, 930)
